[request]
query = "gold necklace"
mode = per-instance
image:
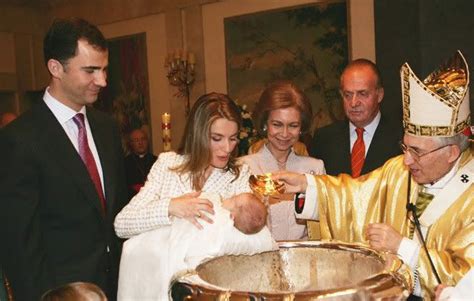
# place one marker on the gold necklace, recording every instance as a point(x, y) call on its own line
point(281, 165)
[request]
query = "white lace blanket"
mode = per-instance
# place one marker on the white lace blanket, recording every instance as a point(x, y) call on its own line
point(149, 260)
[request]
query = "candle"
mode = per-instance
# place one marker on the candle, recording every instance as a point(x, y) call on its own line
point(166, 128)
point(185, 55)
point(166, 118)
point(191, 58)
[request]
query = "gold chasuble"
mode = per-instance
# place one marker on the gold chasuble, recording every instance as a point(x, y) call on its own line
point(347, 205)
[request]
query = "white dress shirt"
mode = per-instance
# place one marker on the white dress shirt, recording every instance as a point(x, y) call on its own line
point(369, 131)
point(65, 115)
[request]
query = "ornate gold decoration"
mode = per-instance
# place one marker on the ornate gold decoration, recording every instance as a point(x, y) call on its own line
point(447, 85)
point(264, 185)
point(449, 82)
point(180, 68)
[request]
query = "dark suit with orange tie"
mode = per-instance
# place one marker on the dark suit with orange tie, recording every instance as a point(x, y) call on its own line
point(332, 145)
point(54, 229)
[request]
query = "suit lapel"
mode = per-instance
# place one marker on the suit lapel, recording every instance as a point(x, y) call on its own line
point(53, 137)
point(104, 144)
point(376, 146)
point(344, 149)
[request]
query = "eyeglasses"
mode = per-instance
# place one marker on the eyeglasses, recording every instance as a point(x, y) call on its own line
point(417, 155)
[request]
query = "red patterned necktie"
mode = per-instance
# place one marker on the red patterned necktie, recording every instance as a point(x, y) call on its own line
point(88, 158)
point(358, 153)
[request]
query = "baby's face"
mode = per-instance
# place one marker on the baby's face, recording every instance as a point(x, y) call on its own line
point(233, 203)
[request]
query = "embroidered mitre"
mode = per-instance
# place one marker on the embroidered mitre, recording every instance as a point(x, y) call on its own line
point(438, 105)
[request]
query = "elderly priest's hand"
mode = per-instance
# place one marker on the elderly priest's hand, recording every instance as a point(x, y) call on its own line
point(294, 182)
point(383, 237)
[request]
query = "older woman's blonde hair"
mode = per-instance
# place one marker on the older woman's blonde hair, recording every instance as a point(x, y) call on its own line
point(281, 95)
point(195, 144)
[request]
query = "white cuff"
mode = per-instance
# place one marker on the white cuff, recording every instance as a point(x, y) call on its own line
point(409, 251)
point(446, 294)
point(463, 290)
point(310, 209)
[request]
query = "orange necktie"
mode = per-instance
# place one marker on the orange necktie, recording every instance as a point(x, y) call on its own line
point(358, 153)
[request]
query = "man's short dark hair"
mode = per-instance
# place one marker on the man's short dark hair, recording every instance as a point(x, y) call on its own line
point(366, 63)
point(60, 42)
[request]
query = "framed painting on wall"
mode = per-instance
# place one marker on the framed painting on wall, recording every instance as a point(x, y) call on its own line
point(306, 44)
point(126, 96)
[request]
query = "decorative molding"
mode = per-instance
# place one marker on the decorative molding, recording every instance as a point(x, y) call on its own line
point(154, 28)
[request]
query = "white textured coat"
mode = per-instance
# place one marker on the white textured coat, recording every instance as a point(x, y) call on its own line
point(148, 209)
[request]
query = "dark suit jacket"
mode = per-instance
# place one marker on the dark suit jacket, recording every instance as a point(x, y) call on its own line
point(53, 231)
point(332, 145)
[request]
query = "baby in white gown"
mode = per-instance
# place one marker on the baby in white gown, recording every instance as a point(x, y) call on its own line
point(149, 260)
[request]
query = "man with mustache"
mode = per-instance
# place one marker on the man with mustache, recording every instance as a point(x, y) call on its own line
point(366, 139)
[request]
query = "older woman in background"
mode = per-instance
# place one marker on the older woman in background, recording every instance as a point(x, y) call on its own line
point(281, 115)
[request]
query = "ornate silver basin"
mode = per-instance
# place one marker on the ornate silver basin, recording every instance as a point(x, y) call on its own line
point(309, 270)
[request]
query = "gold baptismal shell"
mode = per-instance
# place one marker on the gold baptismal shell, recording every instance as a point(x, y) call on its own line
point(264, 185)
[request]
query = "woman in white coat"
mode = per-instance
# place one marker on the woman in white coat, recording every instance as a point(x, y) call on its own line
point(205, 161)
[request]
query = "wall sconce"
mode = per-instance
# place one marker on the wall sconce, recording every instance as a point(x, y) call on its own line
point(180, 72)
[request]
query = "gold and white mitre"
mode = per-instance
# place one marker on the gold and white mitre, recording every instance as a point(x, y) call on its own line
point(438, 105)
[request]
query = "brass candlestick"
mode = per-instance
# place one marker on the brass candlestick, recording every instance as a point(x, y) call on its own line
point(180, 72)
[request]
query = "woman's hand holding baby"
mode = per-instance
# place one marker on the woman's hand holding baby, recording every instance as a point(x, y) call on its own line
point(190, 207)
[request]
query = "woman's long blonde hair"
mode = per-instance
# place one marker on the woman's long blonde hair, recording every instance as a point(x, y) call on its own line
point(195, 144)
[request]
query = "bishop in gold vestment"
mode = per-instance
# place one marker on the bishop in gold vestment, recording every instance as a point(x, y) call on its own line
point(437, 161)
point(346, 206)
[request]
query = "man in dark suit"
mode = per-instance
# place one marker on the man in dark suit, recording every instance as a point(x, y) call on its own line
point(139, 162)
point(61, 174)
point(366, 139)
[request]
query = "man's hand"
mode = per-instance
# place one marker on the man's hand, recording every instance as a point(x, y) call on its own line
point(294, 182)
point(190, 207)
point(439, 289)
point(383, 237)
